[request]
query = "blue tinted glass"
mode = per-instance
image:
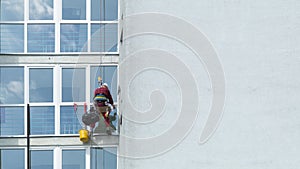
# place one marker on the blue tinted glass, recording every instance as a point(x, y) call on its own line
point(11, 38)
point(12, 10)
point(73, 37)
point(104, 37)
point(41, 38)
point(110, 158)
point(97, 160)
point(73, 85)
point(11, 85)
point(11, 121)
point(70, 120)
point(73, 10)
point(41, 159)
point(103, 158)
point(40, 85)
point(41, 9)
point(104, 10)
point(12, 159)
point(109, 74)
point(97, 38)
point(73, 159)
point(41, 120)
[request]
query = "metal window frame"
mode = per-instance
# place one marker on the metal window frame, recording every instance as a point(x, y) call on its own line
point(57, 94)
point(57, 153)
point(57, 20)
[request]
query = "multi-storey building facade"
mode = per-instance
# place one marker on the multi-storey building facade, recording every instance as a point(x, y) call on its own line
point(155, 55)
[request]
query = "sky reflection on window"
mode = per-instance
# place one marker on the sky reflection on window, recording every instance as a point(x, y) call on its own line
point(11, 38)
point(12, 10)
point(41, 9)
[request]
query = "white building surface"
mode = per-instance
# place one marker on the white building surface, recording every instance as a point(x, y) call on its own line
point(257, 44)
point(198, 84)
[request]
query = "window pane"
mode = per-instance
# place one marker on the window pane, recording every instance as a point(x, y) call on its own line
point(41, 9)
point(73, 10)
point(70, 121)
point(40, 85)
point(41, 38)
point(41, 159)
point(12, 121)
point(103, 158)
point(104, 37)
point(12, 159)
point(73, 159)
point(109, 75)
point(73, 37)
point(11, 38)
point(73, 85)
point(12, 10)
point(110, 158)
point(97, 160)
point(41, 120)
point(104, 10)
point(11, 85)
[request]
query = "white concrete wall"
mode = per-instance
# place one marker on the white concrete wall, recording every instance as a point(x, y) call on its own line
point(258, 44)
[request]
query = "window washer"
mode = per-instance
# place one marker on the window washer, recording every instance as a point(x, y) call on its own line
point(102, 94)
point(104, 103)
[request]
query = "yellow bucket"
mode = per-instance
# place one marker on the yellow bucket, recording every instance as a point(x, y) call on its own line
point(84, 135)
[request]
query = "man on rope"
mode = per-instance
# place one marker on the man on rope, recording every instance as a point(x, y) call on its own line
point(104, 103)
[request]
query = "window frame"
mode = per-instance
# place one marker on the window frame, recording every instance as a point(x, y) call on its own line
point(43, 149)
point(16, 148)
point(57, 21)
point(23, 33)
point(28, 87)
point(24, 120)
point(18, 105)
point(44, 24)
point(57, 92)
point(57, 153)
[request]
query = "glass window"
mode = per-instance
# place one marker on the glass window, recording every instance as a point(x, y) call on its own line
point(42, 120)
point(73, 10)
point(41, 9)
point(12, 159)
point(12, 10)
point(41, 159)
point(40, 85)
point(73, 84)
point(104, 37)
point(70, 121)
point(73, 159)
point(41, 38)
point(11, 85)
point(12, 121)
point(103, 158)
point(11, 38)
point(109, 75)
point(73, 37)
point(97, 160)
point(104, 10)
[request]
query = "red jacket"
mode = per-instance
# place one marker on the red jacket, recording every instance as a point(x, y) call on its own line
point(104, 90)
